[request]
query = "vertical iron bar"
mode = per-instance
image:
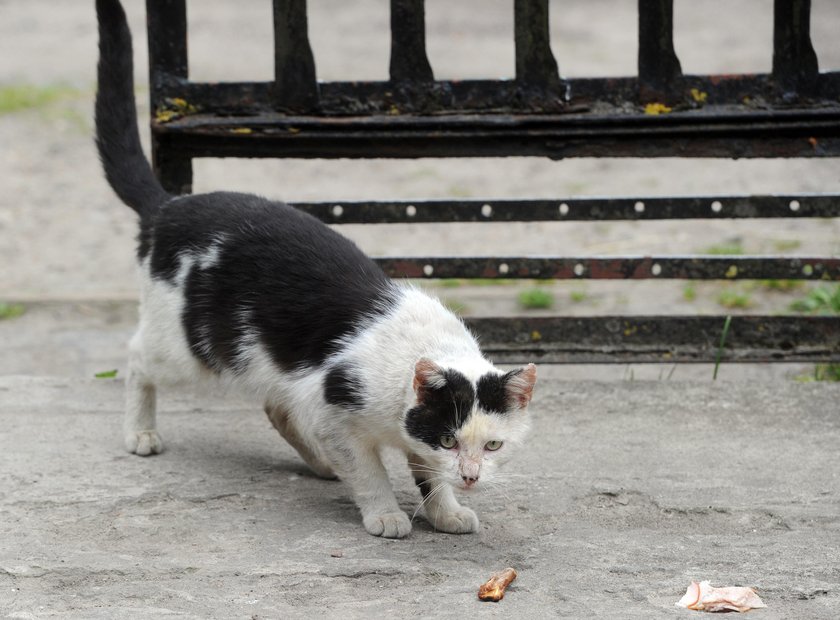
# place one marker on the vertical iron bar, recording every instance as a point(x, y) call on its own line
point(795, 65)
point(535, 64)
point(659, 66)
point(168, 67)
point(294, 64)
point(409, 61)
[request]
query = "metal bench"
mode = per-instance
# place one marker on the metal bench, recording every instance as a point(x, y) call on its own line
point(792, 112)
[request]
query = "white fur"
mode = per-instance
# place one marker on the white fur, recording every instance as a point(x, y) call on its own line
point(331, 440)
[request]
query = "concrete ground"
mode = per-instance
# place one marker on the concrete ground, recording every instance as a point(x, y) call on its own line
point(626, 493)
point(637, 479)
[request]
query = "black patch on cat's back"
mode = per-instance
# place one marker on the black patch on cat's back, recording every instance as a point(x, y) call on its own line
point(343, 388)
point(302, 287)
point(492, 392)
point(442, 410)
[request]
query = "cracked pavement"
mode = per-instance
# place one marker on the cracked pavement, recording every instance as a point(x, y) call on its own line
point(626, 492)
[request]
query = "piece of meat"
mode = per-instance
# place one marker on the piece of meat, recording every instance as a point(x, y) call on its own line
point(703, 597)
point(494, 588)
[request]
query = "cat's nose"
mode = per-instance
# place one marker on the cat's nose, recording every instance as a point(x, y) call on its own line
point(469, 481)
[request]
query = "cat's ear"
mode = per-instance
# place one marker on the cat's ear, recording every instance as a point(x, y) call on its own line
point(519, 385)
point(427, 376)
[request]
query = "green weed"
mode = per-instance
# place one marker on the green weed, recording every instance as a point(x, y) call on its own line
point(729, 248)
point(578, 296)
point(535, 298)
point(11, 311)
point(106, 374)
point(719, 355)
point(689, 292)
point(786, 245)
point(781, 285)
point(20, 97)
point(732, 298)
point(827, 372)
point(455, 306)
point(822, 372)
point(821, 300)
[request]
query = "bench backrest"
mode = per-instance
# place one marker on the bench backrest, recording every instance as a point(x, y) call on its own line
point(792, 112)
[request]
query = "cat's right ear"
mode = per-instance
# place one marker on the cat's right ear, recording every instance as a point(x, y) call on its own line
point(428, 376)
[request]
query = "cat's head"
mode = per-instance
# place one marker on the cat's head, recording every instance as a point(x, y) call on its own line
point(467, 423)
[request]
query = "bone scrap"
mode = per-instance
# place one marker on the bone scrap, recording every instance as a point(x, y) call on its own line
point(494, 588)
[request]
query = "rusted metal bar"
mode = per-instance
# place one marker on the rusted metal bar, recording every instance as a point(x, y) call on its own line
point(615, 267)
point(658, 339)
point(168, 72)
point(758, 133)
point(659, 66)
point(409, 62)
point(575, 209)
point(795, 64)
point(296, 87)
point(619, 96)
point(535, 64)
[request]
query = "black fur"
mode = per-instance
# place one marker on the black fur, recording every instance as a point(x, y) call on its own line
point(126, 168)
point(301, 285)
point(425, 486)
point(284, 279)
point(492, 394)
point(343, 388)
point(442, 410)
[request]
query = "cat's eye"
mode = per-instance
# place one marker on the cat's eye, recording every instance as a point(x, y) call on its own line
point(493, 445)
point(448, 441)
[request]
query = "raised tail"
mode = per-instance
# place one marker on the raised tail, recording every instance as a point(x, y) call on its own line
point(126, 168)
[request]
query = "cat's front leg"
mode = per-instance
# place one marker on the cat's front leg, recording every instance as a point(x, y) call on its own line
point(360, 466)
point(442, 509)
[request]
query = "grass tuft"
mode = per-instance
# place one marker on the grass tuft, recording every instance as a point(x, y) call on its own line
point(781, 285)
point(729, 248)
point(21, 97)
point(821, 300)
point(578, 296)
point(535, 298)
point(11, 311)
point(456, 306)
point(731, 298)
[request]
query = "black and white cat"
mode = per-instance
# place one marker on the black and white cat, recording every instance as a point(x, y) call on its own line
point(266, 298)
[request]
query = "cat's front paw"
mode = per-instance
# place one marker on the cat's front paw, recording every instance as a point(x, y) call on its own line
point(143, 443)
point(388, 525)
point(460, 521)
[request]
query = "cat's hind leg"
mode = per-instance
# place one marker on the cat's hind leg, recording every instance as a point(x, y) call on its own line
point(280, 419)
point(139, 424)
point(442, 509)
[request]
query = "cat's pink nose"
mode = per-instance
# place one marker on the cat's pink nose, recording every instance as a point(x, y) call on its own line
point(469, 481)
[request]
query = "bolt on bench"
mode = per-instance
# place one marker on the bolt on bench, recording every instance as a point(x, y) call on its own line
point(792, 112)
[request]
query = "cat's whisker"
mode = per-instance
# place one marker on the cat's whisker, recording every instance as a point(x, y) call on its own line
point(435, 490)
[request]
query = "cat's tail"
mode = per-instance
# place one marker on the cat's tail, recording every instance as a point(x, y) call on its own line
point(126, 168)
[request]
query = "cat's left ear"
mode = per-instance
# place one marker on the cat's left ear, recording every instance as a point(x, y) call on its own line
point(520, 385)
point(428, 376)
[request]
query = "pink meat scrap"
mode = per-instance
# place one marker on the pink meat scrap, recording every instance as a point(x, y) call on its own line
point(703, 597)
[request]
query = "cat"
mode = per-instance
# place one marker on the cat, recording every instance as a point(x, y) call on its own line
point(266, 298)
